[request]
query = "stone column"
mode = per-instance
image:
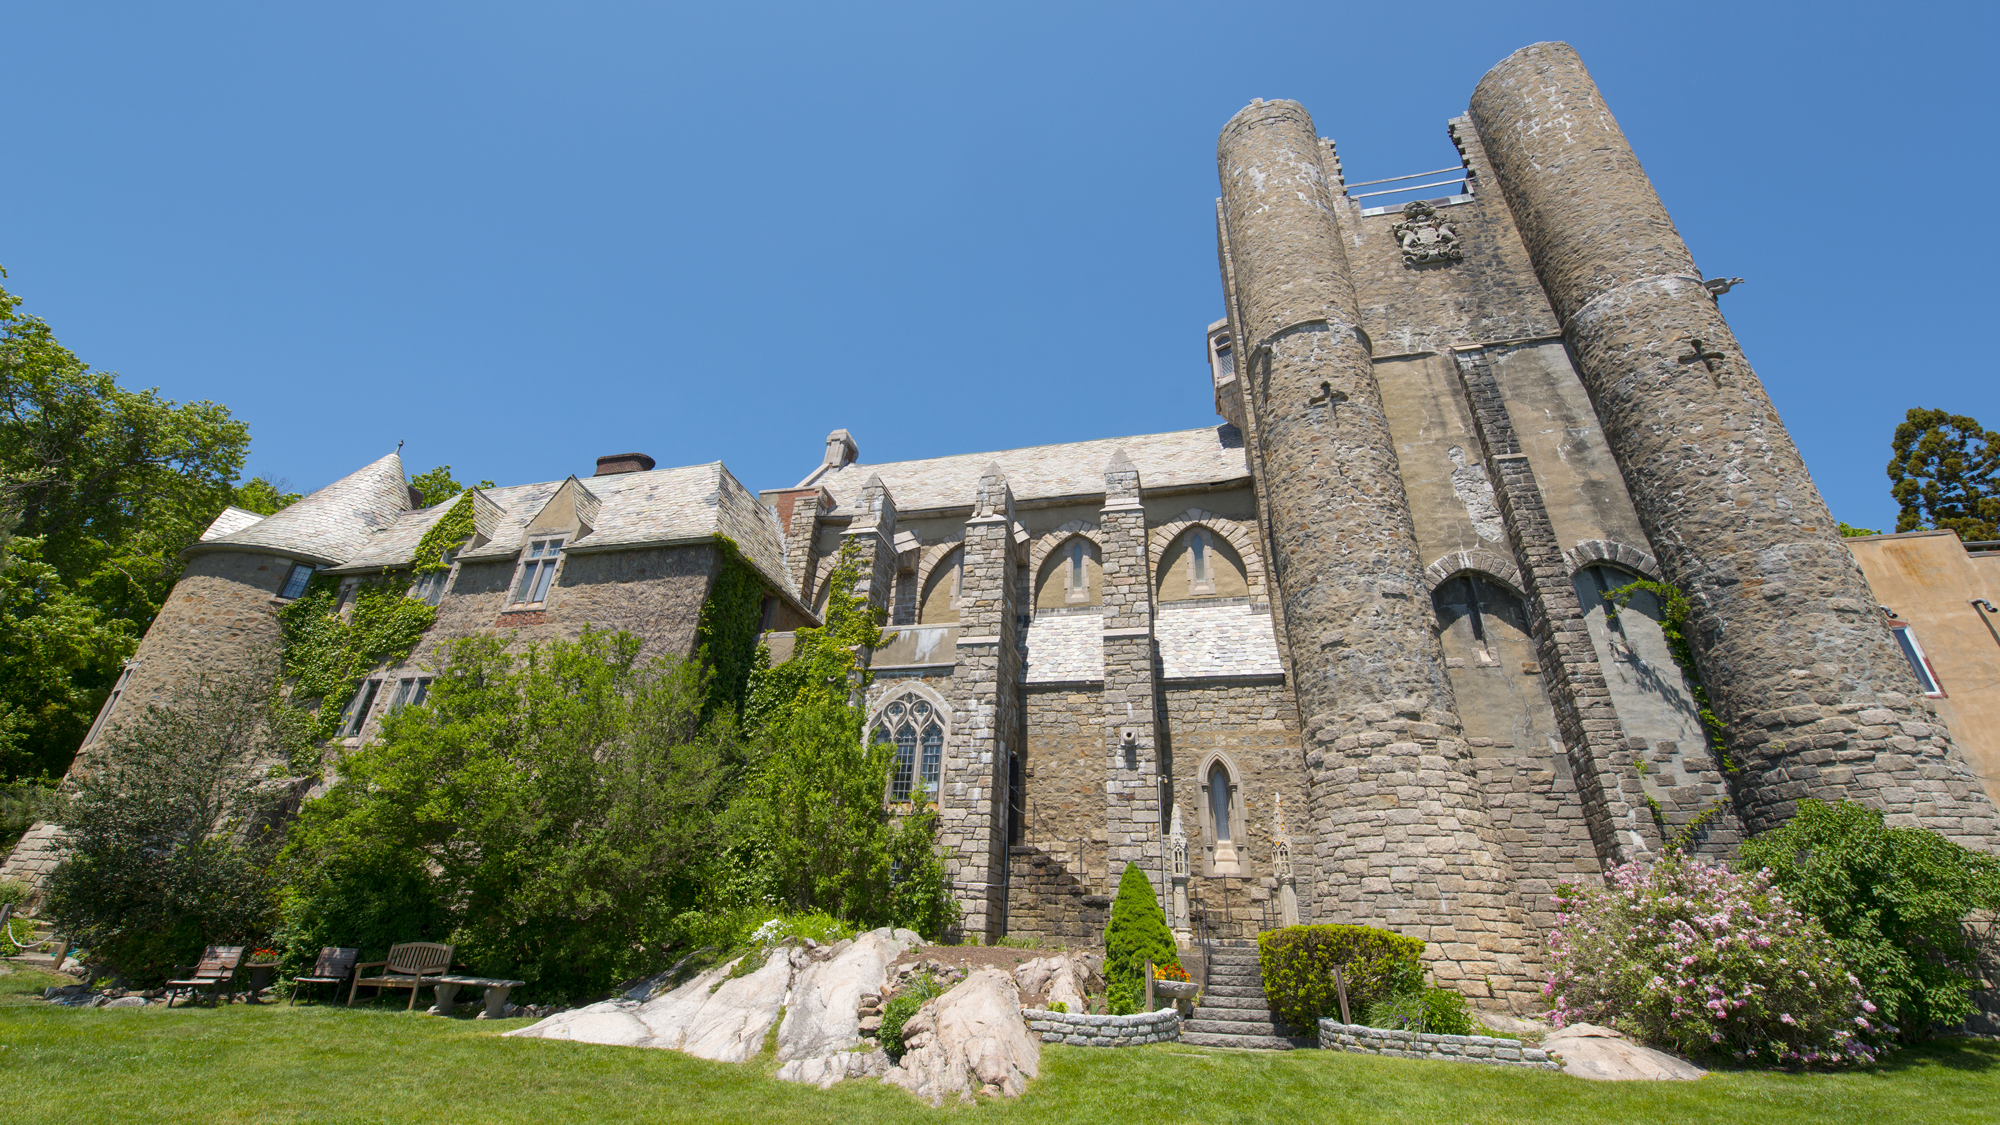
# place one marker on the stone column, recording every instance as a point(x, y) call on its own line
point(873, 533)
point(1798, 663)
point(1131, 763)
point(985, 698)
point(1401, 833)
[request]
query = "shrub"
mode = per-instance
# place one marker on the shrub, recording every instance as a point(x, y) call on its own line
point(1298, 962)
point(1431, 1011)
point(13, 893)
point(1895, 901)
point(1699, 959)
point(1136, 934)
point(1058, 1006)
point(901, 1007)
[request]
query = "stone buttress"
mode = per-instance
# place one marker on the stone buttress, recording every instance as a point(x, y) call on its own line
point(1816, 698)
point(1401, 833)
point(985, 696)
point(1132, 766)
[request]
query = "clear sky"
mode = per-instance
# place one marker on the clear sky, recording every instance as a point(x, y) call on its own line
point(520, 236)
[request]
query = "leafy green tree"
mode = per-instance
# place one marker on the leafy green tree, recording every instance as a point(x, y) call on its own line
point(810, 831)
point(104, 487)
point(549, 813)
point(1137, 933)
point(171, 829)
point(264, 497)
point(1946, 475)
point(1895, 900)
point(1847, 531)
point(437, 486)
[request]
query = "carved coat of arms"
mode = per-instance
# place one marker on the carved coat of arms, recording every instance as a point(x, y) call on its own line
point(1425, 237)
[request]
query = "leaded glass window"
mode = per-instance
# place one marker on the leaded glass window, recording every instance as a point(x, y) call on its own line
point(912, 725)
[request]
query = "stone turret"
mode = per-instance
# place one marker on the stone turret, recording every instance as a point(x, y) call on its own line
point(1400, 830)
point(1799, 664)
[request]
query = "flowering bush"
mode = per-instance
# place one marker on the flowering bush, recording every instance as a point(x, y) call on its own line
point(1169, 972)
point(1700, 959)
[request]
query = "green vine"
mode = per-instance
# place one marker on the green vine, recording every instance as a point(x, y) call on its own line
point(729, 627)
point(1683, 840)
point(326, 658)
point(1675, 609)
point(451, 529)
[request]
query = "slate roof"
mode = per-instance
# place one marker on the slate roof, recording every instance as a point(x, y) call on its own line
point(332, 525)
point(232, 519)
point(1212, 455)
point(1196, 639)
point(360, 522)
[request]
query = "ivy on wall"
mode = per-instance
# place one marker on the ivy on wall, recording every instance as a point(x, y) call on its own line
point(326, 658)
point(451, 529)
point(730, 623)
point(1675, 610)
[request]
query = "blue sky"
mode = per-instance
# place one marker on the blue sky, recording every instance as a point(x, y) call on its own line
point(521, 236)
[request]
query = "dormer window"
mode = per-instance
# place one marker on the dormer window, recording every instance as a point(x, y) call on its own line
point(429, 587)
point(538, 569)
point(295, 582)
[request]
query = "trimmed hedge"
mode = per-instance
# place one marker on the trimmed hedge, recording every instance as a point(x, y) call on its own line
point(1297, 964)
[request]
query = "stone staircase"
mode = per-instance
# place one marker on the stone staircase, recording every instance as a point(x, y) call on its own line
point(1233, 1012)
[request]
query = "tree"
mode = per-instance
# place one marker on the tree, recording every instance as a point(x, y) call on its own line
point(104, 487)
point(550, 813)
point(172, 829)
point(1895, 900)
point(1137, 933)
point(437, 486)
point(1946, 474)
point(264, 497)
point(810, 831)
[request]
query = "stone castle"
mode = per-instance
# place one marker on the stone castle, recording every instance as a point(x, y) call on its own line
point(1343, 657)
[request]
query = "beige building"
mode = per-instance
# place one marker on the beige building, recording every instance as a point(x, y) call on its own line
point(1342, 653)
point(1942, 601)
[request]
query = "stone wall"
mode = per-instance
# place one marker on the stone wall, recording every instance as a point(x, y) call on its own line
point(1337, 1036)
point(1046, 901)
point(1078, 1030)
point(1063, 765)
point(1533, 801)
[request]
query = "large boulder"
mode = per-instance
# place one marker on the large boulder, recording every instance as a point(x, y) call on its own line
point(1054, 980)
point(821, 1017)
point(1604, 1055)
point(825, 1070)
point(970, 1040)
point(731, 1026)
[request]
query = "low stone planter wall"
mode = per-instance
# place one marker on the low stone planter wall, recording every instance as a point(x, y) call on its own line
point(1080, 1030)
point(1337, 1036)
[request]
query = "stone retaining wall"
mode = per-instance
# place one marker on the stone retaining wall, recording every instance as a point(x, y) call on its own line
point(1337, 1036)
point(1080, 1030)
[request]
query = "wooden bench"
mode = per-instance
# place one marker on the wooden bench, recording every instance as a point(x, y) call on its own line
point(335, 965)
point(412, 965)
point(496, 994)
point(216, 971)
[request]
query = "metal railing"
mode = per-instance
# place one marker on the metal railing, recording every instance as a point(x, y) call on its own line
point(1463, 179)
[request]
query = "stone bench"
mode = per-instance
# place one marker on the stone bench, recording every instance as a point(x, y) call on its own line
point(496, 994)
point(1080, 1030)
point(1337, 1036)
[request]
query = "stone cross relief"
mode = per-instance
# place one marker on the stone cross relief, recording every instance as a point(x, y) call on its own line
point(1699, 352)
point(1327, 399)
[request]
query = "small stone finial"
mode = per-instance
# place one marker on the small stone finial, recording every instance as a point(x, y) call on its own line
point(994, 497)
point(841, 450)
point(1178, 841)
point(1121, 477)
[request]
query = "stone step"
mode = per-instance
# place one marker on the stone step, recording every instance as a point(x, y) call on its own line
point(1246, 1003)
point(1235, 980)
point(35, 960)
point(1223, 989)
point(1246, 1042)
point(1234, 1017)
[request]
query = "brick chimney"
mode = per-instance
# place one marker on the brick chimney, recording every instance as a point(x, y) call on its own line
point(617, 463)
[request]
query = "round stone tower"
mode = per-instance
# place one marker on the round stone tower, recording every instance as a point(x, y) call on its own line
point(1816, 697)
point(1402, 837)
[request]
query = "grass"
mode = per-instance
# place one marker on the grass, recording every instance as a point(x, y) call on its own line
point(328, 1064)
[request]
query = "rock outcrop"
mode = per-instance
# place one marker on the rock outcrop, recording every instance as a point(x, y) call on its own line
point(725, 1014)
point(970, 1040)
point(1048, 981)
point(1604, 1055)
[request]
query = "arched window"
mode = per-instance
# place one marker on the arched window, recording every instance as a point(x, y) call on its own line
point(1200, 563)
point(1221, 817)
point(1647, 687)
point(939, 603)
point(1070, 575)
point(912, 725)
point(1494, 666)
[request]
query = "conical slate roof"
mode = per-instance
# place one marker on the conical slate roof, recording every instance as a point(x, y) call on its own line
point(330, 526)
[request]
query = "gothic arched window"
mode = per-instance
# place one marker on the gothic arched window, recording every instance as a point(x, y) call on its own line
point(912, 725)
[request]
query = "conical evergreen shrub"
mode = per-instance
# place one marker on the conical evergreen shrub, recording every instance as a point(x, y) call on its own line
point(1136, 934)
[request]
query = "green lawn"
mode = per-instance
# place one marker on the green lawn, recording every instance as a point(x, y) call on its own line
point(327, 1064)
